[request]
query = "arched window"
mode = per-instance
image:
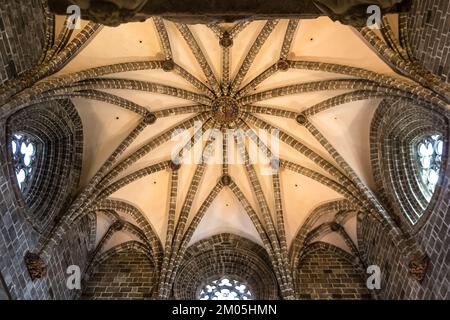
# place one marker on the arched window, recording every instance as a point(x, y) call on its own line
point(225, 289)
point(45, 144)
point(247, 273)
point(429, 152)
point(23, 154)
point(409, 147)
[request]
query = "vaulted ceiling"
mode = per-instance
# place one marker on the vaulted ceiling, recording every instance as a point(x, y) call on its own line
point(345, 126)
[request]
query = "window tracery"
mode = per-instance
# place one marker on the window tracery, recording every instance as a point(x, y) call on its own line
point(429, 151)
point(24, 155)
point(225, 289)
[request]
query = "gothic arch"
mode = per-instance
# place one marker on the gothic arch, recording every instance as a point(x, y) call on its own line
point(57, 130)
point(337, 212)
point(130, 262)
point(223, 100)
point(225, 255)
point(395, 131)
point(340, 273)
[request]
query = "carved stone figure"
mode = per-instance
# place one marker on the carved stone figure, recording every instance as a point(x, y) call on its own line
point(107, 12)
point(115, 12)
point(354, 12)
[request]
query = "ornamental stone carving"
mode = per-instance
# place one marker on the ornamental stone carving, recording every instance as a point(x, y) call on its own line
point(418, 268)
point(35, 265)
point(115, 12)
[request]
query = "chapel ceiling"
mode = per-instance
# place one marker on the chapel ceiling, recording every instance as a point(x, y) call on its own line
point(225, 76)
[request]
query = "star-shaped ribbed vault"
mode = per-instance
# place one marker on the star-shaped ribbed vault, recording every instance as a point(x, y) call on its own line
point(247, 76)
point(259, 129)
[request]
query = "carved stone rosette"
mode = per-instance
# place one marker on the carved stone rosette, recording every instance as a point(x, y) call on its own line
point(226, 109)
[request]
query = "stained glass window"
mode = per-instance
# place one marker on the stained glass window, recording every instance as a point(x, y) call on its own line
point(225, 289)
point(429, 150)
point(24, 152)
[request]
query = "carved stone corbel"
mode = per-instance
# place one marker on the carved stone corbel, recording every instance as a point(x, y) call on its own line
point(418, 267)
point(354, 12)
point(111, 12)
point(35, 265)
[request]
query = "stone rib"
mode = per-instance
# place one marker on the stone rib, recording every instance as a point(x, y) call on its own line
point(250, 57)
point(126, 84)
point(238, 28)
point(201, 59)
point(258, 80)
point(163, 37)
point(130, 178)
point(288, 38)
point(339, 84)
point(193, 80)
point(60, 42)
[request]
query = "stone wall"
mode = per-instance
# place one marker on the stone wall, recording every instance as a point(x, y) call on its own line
point(226, 255)
point(57, 133)
point(432, 230)
point(124, 275)
point(396, 282)
point(324, 274)
point(4, 295)
point(21, 41)
point(327, 272)
point(22, 35)
point(429, 25)
point(429, 28)
point(17, 236)
point(19, 231)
